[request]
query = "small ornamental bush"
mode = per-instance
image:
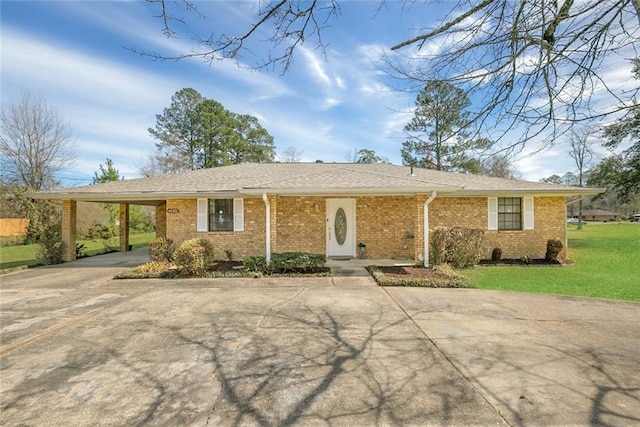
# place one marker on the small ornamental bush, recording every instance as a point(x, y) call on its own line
point(554, 246)
point(496, 254)
point(161, 249)
point(255, 263)
point(459, 246)
point(194, 256)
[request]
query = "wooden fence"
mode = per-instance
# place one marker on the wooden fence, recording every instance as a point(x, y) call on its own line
point(13, 226)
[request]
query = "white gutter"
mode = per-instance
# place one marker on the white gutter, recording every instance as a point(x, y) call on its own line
point(268, 228)
point(426, 227)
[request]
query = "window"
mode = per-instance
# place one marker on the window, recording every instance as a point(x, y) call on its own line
point(509, 213)
point(220, 215)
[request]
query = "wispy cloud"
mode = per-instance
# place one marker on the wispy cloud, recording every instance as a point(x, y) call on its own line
point(315, 66)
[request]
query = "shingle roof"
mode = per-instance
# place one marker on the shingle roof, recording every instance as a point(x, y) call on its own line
point(306, 178)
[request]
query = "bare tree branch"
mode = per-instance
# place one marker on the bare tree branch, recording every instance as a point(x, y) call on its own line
point(35, 143)
point(538, 63)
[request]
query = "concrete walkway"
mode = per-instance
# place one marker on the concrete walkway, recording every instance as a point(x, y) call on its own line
point(80, 349)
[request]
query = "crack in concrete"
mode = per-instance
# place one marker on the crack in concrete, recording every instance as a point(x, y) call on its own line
point(443, 354)
point(58, 327)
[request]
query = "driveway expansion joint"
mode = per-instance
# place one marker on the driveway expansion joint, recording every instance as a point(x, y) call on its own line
point(443, 354)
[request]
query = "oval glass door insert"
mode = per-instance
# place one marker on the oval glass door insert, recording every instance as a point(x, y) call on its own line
point(340, 226)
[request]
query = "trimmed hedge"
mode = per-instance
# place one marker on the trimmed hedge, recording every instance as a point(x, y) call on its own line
point(287, 262)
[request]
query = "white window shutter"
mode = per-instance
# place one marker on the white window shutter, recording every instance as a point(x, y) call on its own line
point(492, 213)
point(238, 214)
point(202, 215)
point(528, 213)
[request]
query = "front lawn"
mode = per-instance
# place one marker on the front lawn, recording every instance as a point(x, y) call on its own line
point(606, 265)
point(16, 256)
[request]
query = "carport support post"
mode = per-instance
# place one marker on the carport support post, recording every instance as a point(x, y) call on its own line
point(69, 216)
point(161, 220)
point(124, 228)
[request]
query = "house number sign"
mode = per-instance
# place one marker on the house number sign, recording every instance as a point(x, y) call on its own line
point(173, 210)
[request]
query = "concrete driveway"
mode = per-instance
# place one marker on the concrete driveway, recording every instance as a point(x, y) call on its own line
point(81, 349)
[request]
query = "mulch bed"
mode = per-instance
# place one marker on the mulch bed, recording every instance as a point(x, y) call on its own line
point(226, 266)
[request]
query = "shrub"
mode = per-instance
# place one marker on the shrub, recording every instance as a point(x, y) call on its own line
point(255, 263)
point(296, 262)
point(496, 254)
point(439, 243)
point(161, 249)
point(51, 245)
point(288, 262)
point(194, 256)
point(104, 234)
point(229, 254)
point(554, 246)
point(460, 246)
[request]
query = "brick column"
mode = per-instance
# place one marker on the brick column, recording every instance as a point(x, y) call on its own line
point(124, 228)
point(161, 220)
point(69, 216)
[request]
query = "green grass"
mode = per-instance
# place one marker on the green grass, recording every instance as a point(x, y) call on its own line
point(25, 255)
point(606, 265)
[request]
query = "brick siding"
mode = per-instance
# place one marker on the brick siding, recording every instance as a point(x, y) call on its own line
point(181, 226)
point(391, 227)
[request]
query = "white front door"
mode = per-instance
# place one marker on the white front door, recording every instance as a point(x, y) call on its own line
point(341, 227)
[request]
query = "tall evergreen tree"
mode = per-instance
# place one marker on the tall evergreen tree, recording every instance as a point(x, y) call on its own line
point(438, 136)
point(178, 130)
point(627, 177)
point(196, 132)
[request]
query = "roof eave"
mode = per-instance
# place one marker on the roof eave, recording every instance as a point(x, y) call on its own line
point(129, 196)
point(532, 192)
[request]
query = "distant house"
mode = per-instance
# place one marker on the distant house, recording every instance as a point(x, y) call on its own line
point(600, 215)
point(329, 208)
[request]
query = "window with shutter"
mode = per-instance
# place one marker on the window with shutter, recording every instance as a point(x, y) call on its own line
point(220, 214)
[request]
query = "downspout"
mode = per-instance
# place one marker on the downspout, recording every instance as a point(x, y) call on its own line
point(426, 227)
point(268, 228)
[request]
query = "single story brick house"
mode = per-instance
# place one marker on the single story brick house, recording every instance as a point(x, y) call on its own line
point(600, 215)
point(330, 208)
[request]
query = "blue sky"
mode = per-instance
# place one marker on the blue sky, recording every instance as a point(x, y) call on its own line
point(74, 55)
